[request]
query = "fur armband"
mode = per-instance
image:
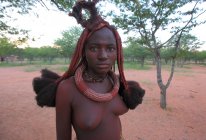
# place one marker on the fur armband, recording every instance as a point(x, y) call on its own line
point(133, 96)
point(45, 88)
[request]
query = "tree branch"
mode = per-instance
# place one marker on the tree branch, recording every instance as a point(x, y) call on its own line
point(58, 5)
point(177, 44)
point(179, 30)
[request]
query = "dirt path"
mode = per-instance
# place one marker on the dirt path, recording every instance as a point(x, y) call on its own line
point(22, 119)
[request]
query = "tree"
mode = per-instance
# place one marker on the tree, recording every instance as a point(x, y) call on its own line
point(199, 56)
point(17, 6)
point(135, 50)
point(31, 53)
point(149, 17)
point(48, 53)
point(68, 41)
point(167, 54)
point(6, 47)
point(24, 7)
point(188, 43)
point(20, 53)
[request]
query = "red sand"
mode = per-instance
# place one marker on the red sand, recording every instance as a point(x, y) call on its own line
point(184, 119)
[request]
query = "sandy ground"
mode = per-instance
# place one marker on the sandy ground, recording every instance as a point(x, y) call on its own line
point(184, 119)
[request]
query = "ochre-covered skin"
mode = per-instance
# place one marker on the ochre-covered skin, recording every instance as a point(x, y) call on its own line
point(91, 119)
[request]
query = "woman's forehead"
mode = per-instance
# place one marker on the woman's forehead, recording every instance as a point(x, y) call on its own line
point(104, 34)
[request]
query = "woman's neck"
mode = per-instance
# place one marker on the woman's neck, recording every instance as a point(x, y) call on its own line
point(93, 78)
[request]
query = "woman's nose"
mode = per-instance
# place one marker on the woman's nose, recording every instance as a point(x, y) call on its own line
point(102, 54)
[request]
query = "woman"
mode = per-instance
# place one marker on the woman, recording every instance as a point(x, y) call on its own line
point(90, 96)
point(91, 118)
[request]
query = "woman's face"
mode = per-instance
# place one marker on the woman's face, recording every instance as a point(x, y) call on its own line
point(101, 51)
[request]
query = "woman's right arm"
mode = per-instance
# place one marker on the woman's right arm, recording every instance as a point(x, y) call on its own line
point(63, 112)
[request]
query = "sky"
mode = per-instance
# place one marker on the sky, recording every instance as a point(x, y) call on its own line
point(50, 23)
point(44, 28)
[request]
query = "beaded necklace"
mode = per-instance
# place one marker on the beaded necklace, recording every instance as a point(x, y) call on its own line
point(93, 79)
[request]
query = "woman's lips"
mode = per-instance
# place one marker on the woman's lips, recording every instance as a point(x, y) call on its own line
point(103, 66)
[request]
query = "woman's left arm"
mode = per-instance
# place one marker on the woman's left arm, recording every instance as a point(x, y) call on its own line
point(63, 112)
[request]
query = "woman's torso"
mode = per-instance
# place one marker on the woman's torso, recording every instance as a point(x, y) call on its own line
point(96, 120)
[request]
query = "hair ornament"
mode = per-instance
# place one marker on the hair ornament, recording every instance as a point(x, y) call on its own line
point(90, 6)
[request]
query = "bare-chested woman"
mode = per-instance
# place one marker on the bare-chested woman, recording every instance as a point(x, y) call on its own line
point(90, 97)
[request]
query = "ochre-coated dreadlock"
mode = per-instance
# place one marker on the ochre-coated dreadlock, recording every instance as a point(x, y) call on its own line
point(131, 92)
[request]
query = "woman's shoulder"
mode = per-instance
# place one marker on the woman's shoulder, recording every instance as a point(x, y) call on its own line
point(67, 83)
point(66, 87)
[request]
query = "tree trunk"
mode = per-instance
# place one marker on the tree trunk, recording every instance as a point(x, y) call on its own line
point(163, 88)
point(166, 61)
point(163, 101)
point(153, 61)
point(50, 60)
point(142, 62)
point(159, 80)
point(65, 60)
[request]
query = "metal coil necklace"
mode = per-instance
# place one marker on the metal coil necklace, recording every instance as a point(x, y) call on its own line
point(91, 94)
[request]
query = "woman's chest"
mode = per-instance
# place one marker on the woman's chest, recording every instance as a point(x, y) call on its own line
point(88, 115)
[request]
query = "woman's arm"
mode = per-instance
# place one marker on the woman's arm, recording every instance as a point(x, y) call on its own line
point(63, 112)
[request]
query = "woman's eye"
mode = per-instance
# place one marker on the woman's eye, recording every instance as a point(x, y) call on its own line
point(93, 49)
point(111, 49)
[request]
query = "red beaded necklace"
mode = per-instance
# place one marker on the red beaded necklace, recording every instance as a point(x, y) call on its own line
point(91, 94)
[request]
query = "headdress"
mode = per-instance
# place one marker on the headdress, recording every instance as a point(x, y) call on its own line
point(94, 23)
